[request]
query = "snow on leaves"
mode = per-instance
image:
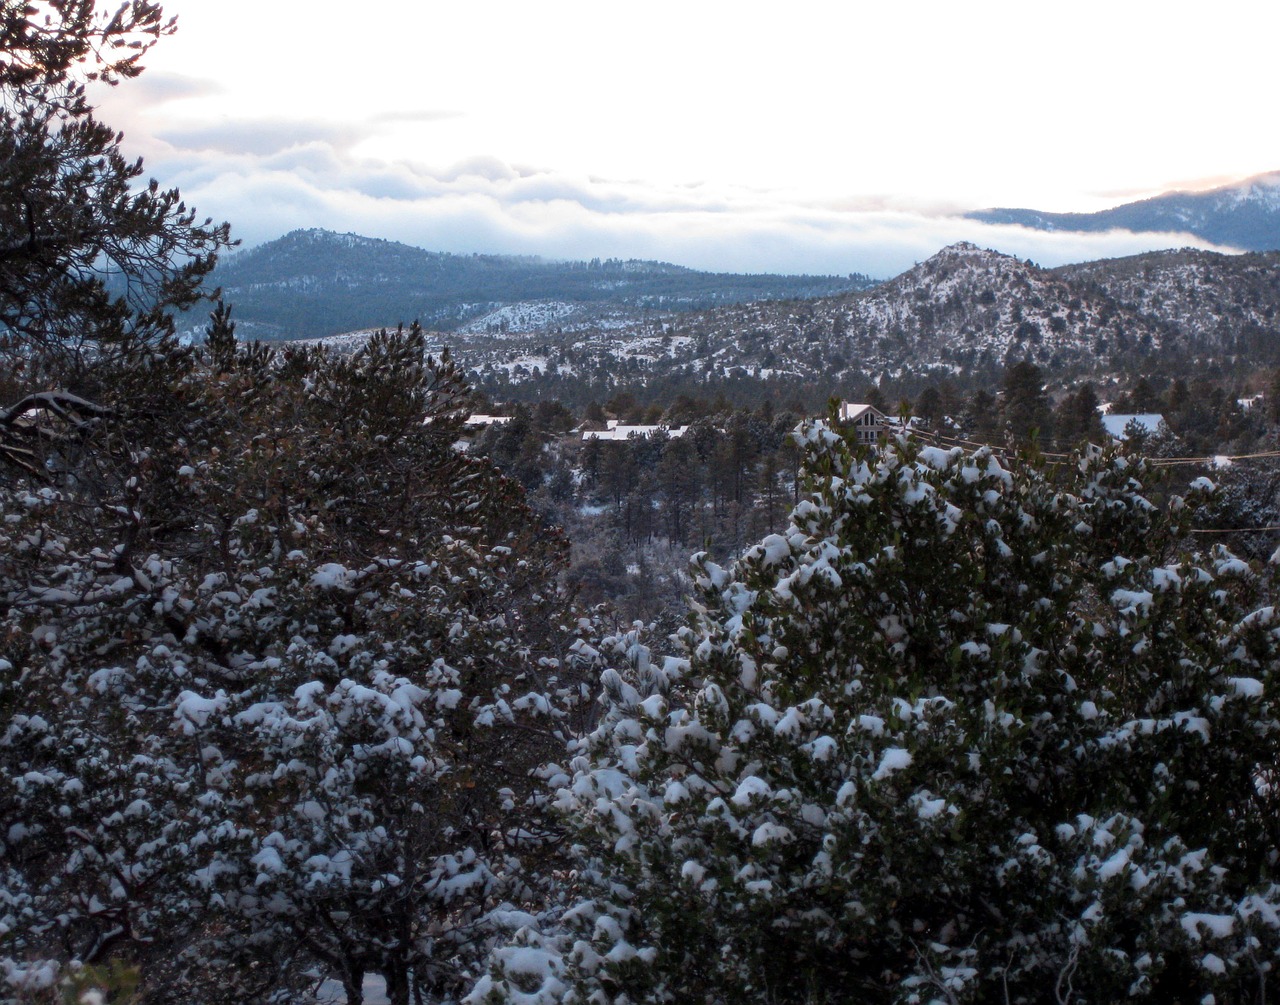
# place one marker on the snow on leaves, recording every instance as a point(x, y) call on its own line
point(969, 728)
point(284, 706)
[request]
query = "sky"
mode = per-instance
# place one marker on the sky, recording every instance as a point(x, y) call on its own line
point(822, 137)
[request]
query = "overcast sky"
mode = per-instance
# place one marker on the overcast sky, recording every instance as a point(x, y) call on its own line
point(825, 137)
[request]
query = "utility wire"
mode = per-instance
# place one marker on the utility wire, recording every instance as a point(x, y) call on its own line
point(1232, 530)
point(1215, 460)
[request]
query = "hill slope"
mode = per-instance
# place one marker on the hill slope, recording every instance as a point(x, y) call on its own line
point(313, 283)
point(964, 312)
point(1204, 302)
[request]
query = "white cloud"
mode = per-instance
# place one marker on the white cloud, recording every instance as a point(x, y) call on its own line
point(489, 206)
point(996, 102)
point(262, 137)
point(828, 141)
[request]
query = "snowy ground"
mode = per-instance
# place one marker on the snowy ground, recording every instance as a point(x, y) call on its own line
point(375, 992)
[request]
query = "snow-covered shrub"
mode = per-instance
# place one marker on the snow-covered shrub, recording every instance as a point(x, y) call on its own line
point(280, 664)
point(971, 729)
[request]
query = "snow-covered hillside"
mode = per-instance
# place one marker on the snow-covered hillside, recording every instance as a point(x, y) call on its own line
point(313, 283)
point(965, 310)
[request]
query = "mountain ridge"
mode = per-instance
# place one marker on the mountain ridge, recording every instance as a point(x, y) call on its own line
point(312, 283)
point(1243, 215)
point(965, 313)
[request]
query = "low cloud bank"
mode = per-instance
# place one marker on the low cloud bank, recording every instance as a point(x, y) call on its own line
point(269, 177)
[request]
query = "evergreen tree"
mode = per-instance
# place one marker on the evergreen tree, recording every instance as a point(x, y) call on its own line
point(929, 407)
point(678, 479)
point(1143, 397)
point(91, 263)
point(970, 730)
point(1024, 406)
point(981, 417)
point(1078, 419)
point(281, 665)
point(72, 212)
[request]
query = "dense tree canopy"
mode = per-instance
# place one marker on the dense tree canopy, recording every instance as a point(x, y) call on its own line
point(281, 661)
point(291, 686)
point(971, 729)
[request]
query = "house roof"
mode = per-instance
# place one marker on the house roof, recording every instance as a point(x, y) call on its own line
point(618, 431)
point(851, 411)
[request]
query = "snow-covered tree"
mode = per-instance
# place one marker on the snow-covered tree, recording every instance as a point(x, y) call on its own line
point(973, 729)
point(75, 213)
point(281, 662)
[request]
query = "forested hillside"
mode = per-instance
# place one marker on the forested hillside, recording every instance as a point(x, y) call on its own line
point(963, 315)
point(312, 283)
point(313, 679)
point(1210, 305)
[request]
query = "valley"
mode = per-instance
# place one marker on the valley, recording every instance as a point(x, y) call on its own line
point(974, 344)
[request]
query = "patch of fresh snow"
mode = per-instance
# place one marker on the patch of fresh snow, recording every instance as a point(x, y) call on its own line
point(892, 760)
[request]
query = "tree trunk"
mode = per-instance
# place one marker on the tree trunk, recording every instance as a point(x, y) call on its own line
point(353, 985)
point(397, 978)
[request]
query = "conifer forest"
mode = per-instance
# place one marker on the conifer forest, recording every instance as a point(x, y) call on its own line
point(382, 671)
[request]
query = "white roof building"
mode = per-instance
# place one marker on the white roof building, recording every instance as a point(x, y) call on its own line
point(867, 420)
point(618, 431)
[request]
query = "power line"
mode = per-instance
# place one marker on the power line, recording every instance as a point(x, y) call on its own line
point(1211, 461)
point(1214, 461)
point(1233, 530)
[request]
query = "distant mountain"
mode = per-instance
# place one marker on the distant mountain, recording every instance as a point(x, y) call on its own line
point(1245, 215)
point(966, 313)
point(313, 283)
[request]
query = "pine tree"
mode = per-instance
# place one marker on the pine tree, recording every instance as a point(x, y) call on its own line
point(282, 662)
point(1024, 405)
point(73, 216)
point(1078, 419)
point(92, 263)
